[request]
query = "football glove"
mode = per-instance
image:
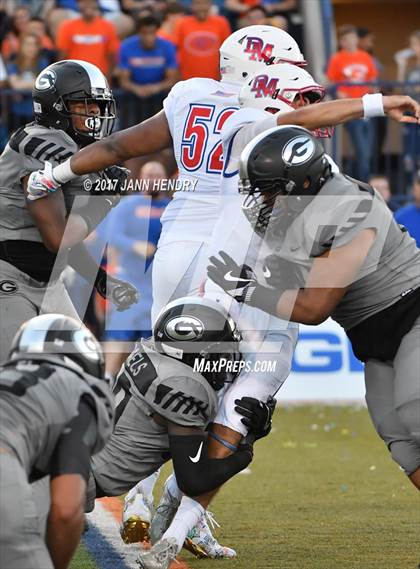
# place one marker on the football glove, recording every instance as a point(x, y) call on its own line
point(41, 183)
point(121, 293)
point(257, 415)
point(117, 176)
point(237, 280)
point(240, 282)
point(281, 273)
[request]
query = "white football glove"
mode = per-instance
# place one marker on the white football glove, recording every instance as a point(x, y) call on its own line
point(41, 183)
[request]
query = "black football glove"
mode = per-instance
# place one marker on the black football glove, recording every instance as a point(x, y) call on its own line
point(117, 176)
point(281, 273)
point(257, 415)
point(240, 282)
point(121, 293)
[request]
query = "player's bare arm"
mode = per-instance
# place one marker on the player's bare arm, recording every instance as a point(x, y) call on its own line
point(147, 137)
point(66, 518)
point(333, 113)
point(50, 218)
point(330, 275)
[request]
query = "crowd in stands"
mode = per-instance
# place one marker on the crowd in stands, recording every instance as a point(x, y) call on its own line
point(146, 46)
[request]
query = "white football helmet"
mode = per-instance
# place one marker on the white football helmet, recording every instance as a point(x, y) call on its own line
point(283, 88)
point(250, 49)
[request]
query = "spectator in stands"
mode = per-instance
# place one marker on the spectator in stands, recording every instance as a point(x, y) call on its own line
point(171, 14)
point(147, 69)
point(279, 6)
point(408, 62)
point(381, 184)
point(22, 74)
point(37, 27)
point(353, 65)
point(134, 232)
point(90, 38)
point(409, 215)
point(20, 20)
point(254, 16)
point(198, 38)
point(5, 21)
point(379, 124)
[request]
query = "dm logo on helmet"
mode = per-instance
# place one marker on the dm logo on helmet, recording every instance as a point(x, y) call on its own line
point(45, 80)
point(184, 328)
point(298, 151)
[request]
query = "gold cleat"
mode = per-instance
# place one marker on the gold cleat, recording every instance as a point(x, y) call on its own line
point(195, 549)
point(135, 530)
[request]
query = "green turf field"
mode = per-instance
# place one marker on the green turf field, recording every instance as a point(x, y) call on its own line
point(323, 493)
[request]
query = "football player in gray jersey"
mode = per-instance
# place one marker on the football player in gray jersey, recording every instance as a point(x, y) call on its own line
point(73, 107)
point(332, 248)
point(168, 405)
point(56, 410)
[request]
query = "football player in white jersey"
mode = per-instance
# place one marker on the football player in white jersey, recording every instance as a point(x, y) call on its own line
point(197, 145)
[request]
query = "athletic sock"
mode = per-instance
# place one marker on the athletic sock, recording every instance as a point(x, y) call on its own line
point(187, 516)
point(172, 487)
point(147, 485)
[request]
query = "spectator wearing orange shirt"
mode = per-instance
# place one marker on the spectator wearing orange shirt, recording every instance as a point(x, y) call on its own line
point(198, 38)
point(89, 38)
point(170, 17)
point(353, 65)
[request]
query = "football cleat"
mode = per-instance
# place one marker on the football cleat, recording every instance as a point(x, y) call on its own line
point(164, 515)
point(201, 543)
point(137, 516)
point(159, 556)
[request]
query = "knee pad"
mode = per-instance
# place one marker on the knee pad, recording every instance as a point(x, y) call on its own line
point(409, 415)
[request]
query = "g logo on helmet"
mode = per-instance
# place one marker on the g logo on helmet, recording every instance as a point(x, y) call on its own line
point(184, 328)
point(298, 151)
point(45, 80)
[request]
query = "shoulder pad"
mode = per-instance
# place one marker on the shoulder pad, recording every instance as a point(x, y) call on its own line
point(43, 144)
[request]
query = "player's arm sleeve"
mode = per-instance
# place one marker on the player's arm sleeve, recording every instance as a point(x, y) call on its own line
point(196, 473)
point(73, 450)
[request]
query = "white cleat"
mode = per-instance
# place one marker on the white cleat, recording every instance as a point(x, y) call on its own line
point(136, 518)
point(164, 515)
point(159, 556)
point(201, 543)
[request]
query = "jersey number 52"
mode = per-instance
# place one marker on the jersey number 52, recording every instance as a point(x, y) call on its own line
point(200, 125)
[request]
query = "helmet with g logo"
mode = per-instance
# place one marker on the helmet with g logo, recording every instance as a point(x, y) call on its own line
point(282, 161)
point(69, 81)
point(194, 328)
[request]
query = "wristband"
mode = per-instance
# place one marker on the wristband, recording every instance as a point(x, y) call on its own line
point(226, 444)
point(63, 173)
point(264, 298)
point(373, 106)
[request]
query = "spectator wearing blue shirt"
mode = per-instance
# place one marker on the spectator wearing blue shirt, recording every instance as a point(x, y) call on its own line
point(133, 233)
point(148, 69)
point(409, 215)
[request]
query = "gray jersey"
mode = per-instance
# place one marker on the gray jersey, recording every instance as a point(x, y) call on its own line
point(340, 211)
point(38, 400)
point(169, 387)
point(27, 151)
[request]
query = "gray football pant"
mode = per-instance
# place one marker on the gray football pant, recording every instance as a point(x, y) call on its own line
point(393, 399)
point(22, 298)
point(21, 544)
point(137, 448)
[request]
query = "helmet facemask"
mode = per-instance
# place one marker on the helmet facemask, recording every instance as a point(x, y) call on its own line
point(97, 126)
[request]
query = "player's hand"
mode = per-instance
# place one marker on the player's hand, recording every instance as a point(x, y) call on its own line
point(121, 293)
point(396, 107)
point(41, 183)
point(237, 280)
point(281, 273)
point(117, 176)
point(257, 415)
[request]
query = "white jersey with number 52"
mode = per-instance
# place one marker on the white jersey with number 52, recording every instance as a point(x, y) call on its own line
point(196, 111)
